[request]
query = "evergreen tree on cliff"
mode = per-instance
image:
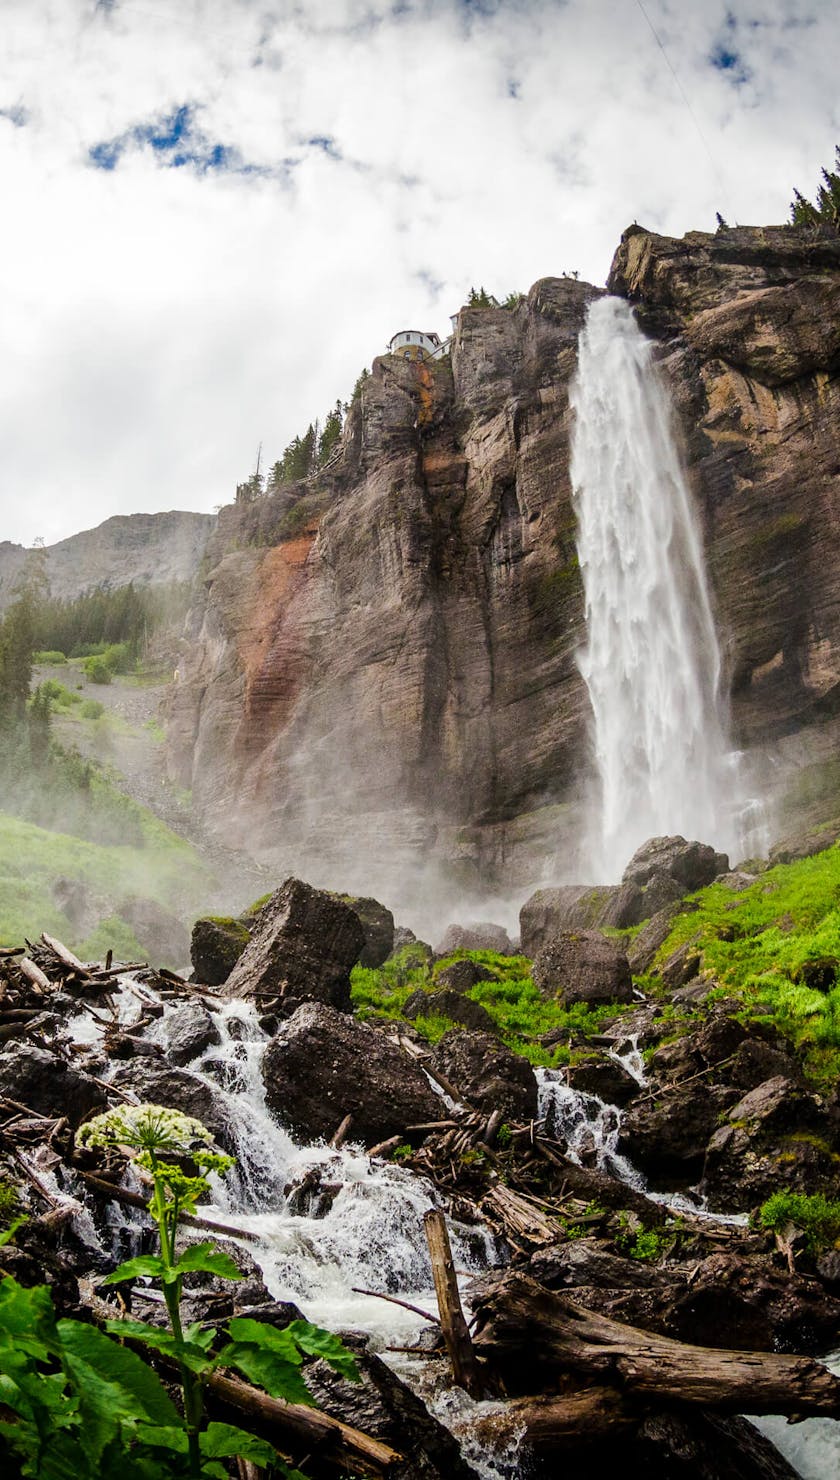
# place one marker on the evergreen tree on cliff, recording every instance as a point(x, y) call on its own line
point(826, 210)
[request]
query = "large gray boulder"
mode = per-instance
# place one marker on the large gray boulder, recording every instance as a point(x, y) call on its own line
point(449, 1004)
point(475, 936)
point(159, 1083)
point(323, 1065)
point(191, 1031)
point(577, 907)
point(691, 864)
point(583, 966)
point(215, 947)
point(487, 1074)
point(304, 944)
point(378, 925)
point(47, 1084)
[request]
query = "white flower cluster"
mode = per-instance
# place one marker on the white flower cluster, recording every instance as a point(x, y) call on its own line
point(146, 1127)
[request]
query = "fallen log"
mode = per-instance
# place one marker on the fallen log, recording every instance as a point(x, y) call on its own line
point(33, 974)
point(555, 1422)
point(190, 1220)
point(65, 956)
point(453, 1325)
point(523, 1329)
point(518, 1216)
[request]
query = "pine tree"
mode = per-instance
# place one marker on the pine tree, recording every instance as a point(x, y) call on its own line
point(826, 211)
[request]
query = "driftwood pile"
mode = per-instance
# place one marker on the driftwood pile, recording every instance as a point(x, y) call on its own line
point(564, 1379)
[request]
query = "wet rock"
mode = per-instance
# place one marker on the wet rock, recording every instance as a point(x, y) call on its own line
point(323, 1065)
point(162, 935)
point(303, 945)
point(216, 945)
point(583, 966)
point(477, 936)
point(48, 1084)
point(586, 1262)
point(756, 1061)
point(378, 925)
point(487, 1074)
point(460, 976)
point(690, 864)
point(659, 892)
point(643, 949)
point(161, 1084)
point(452, 1005)
point(191, 1030)
point(828, 1268)
point(681, 967)
point(384, 1406)
point(610, 1081)
point(667, 1140)
point(753, 1304)
point(576, 907)
point(777, 1137)
point(700, 1446)
point(793, 850)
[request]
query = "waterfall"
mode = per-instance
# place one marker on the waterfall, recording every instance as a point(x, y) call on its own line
point(651, 661)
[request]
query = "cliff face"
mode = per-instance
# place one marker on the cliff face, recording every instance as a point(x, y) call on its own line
point(383, 679)
point(147, 549)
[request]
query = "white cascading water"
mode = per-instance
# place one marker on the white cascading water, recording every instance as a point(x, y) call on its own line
point(651, 661)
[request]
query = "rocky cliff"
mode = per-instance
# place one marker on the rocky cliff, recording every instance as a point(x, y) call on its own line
point(146, 549)
point(381, 678)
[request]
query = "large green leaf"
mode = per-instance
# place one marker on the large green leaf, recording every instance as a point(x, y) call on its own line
point(261, 1333)
point(26, 1315)
point(277, 1374)
point(192, 1354)
point(319, 1343)
point(207, 1259)
point(114, 1384)
point(225, 1441)
point(132, 1269)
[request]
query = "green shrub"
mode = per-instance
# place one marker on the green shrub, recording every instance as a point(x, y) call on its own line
point(97, 670)
point(92, 709)
point(54, 658)
point(817, 1216)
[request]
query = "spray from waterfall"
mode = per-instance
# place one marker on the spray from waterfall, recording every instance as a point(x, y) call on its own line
point(651, 661)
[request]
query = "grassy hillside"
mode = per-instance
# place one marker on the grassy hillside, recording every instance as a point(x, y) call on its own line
point(33, 859)
point(775, 947)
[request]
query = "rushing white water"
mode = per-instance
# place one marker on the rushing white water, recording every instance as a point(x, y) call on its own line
point(652, 662)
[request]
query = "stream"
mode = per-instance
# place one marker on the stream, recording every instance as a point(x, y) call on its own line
point(359, 1228)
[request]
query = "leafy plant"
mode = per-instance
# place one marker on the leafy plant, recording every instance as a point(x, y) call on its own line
point(84, 1405)
point(817, 1216)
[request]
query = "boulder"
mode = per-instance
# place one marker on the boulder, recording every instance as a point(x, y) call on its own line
point(452, 1005)
point(667, 1140)
point(304, 944)
point(161, 1084)
point(778, 1137)
point(191, 1029)
point(576, 907)
point(323, 1065)
point(460, 976)
point(585, 1262)
point(478, 936)
point(377, 922)
point(487, 1074)
point(216, 945)
point(47, 1084)
point(382, 1405)
point(642, 950)
point(753, 1304)
point(162, 935)
point(690, 864)
point(606, 1079)
point(583, 966)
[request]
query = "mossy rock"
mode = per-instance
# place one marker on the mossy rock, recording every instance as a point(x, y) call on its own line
point(217, 944)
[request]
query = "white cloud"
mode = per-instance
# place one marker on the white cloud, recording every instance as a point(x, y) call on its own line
point(160, 322)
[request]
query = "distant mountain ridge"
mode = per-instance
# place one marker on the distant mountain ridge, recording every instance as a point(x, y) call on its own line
point(143, 549)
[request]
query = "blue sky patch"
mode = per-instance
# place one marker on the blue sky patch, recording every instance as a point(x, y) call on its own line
point(16, 114)
point(178, 142)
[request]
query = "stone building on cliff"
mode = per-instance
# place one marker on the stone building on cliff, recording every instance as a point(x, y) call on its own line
point(415, 344)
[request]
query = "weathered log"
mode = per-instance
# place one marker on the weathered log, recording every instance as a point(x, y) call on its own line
point(34, 975)
point(65, 956)
point(550, 1423)
point(384, 1148)
point(518, 1216)
point(340, 1136)
point(518, 1318)
point(191, 1220)
point(453, 1324)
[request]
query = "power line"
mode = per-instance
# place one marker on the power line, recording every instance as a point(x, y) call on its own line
point(684, 95)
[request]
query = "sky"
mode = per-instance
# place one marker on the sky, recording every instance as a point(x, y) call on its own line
point(217, 212)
